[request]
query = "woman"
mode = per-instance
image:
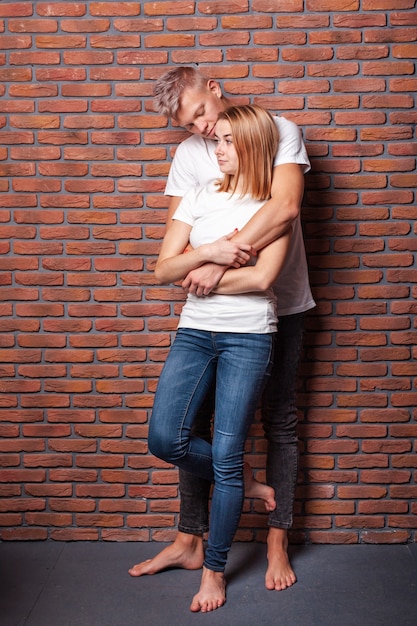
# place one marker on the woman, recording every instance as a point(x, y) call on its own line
point(226, 336)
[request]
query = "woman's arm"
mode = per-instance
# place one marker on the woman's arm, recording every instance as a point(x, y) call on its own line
point(260, 276)
point(171, 262)
point(174, 202)
point(172, 265)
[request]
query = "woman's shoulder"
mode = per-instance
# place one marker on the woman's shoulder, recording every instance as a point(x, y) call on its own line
point(200, 192)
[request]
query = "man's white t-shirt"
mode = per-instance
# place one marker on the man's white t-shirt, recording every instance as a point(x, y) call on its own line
point(195, 165)
point(212, 214)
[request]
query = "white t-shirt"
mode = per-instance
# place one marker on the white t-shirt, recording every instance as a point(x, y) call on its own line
point(195, 165)
point(211, 215)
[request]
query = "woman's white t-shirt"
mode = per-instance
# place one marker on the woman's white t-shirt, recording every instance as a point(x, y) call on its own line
point(195, 165)
point(212, 214)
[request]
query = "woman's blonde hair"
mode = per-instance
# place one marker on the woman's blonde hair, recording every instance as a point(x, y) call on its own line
point(255, 138)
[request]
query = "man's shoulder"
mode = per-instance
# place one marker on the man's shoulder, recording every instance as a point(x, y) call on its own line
point(194, 142)
point(285, 125)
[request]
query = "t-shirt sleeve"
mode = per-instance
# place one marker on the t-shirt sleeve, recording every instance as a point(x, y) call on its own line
point(184, 212)
point(182, 174)
point(291, 148)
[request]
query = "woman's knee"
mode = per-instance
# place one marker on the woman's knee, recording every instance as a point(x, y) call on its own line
point(159, 445)
point(227, 464)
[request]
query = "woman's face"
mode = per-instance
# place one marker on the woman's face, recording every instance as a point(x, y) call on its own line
point(225, 150)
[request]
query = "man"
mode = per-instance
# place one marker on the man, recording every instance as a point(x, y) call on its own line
point(194, 102)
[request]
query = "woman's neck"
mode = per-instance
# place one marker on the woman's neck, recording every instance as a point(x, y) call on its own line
point(239, 184)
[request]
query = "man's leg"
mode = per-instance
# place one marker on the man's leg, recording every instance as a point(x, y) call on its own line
point(279, 416)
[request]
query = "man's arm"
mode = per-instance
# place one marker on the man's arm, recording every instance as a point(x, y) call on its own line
point(260, 276)
point(269, 223)
point(275, 217)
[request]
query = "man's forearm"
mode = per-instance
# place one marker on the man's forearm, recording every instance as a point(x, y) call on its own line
point(275, 217)
point(260, 276)
point(267, 225)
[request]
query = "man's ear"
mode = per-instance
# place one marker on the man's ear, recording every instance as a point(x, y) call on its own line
point(214, 87)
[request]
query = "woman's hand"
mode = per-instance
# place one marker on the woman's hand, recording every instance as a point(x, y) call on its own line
point(204, 279)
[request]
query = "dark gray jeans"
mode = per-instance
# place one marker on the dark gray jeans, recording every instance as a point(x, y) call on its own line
point(279, 418)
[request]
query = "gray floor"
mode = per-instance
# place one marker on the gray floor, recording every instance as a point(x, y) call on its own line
point(87, 584)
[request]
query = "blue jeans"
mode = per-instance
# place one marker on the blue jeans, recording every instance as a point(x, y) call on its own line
point(237, 363)
point(279, 418)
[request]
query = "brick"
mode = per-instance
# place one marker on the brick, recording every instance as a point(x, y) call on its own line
point(100, 491)
point(125, 506)
point(23, 534)
point(332, 446)
point(124, 535)
point(363, 461)
point(361, 521)
point(73, 446)
point(335, 537)
point(387, 477)
point(71, 505)
point(361, 491)
point(88, 58)
point(105, 521)
point(307, 55)
point(391, 537)
point(313, 521)
point(327, 5)
point(333, 507)
point(74, 534)
point(60, 490)
point(384, 415)
point(402, 521)
point(176, 8)
point(400, 491)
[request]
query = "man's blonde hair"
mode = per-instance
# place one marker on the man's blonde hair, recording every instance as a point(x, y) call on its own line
point(255, 138)
point(170, 87)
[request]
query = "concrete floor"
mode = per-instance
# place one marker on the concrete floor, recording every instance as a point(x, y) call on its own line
point(87, 584)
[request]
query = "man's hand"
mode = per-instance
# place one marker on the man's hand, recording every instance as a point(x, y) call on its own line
point(223, 251)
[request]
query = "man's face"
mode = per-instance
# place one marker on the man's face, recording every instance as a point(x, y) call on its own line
point(199, 109)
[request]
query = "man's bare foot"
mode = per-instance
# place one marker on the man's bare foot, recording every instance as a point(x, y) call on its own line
point(255, 489)
point(212, 593)
point(186, 552)
point(279, 575)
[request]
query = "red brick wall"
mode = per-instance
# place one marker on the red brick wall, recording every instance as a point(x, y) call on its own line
point(83, 328)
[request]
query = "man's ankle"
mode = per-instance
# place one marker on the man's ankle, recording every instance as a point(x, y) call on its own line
point(278, 536)
point(188, 538)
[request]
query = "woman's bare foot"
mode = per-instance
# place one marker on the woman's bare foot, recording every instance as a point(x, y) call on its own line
point(255, 489)
point(279, 575)
point(212, 594)
point(186, 552)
